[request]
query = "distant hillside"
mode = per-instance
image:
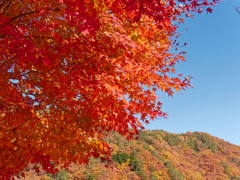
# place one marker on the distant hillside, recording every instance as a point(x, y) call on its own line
point(160, 155)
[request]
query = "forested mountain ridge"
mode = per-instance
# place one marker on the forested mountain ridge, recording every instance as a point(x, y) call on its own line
point(159, 155)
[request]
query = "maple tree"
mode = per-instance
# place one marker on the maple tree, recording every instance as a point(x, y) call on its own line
point(73, 70)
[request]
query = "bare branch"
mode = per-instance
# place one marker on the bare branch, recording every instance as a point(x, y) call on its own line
point(237, 9)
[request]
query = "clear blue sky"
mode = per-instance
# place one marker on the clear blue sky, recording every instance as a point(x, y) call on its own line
point(213, 60)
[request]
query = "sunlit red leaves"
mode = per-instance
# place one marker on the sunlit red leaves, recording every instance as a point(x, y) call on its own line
point(73, 70)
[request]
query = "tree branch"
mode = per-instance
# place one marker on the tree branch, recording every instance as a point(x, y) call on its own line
point(28, 13)
point(237, 9)
point(16, 85)
point(3, 4)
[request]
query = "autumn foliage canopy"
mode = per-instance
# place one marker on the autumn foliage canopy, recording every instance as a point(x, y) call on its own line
point(72, 70)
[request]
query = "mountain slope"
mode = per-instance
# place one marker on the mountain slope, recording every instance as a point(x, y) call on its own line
point(160, 155)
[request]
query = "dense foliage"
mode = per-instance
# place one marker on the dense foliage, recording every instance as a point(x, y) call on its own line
point(71, 70)
point(161, 155)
